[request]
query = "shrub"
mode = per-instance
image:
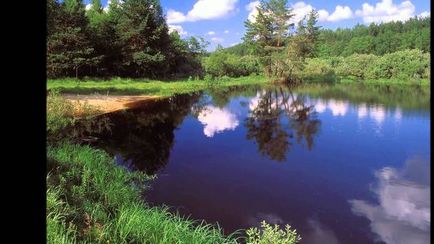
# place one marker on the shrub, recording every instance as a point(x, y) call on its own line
point(406, 64)
point(355, 65)
point(221, 63)
point(272, 234)
point(317, 69)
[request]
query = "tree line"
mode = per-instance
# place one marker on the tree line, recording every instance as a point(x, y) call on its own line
point(305, 51)
point(378, 39)
point(130, 39)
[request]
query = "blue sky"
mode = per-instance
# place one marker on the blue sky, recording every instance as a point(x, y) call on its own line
point(222, 21)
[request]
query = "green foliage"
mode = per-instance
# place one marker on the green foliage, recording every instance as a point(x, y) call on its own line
point(68, 44)
point(129, 41)
point(355, 65)
point(318, 70)
point(378, 39)
point(268, 34)
point(144, 38)
point(221, 63)
point(59, 112)
point(407, 65)
point(272, 235)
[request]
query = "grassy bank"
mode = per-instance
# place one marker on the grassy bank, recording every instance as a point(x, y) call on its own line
point(91, 200)
point(147, 87)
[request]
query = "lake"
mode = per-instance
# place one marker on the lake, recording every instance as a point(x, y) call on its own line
point(340, 163)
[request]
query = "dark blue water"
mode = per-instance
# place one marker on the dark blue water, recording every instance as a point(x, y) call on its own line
point(335, 169)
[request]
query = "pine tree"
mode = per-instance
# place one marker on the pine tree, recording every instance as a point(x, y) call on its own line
point(144, 37)
point(69, 47)
point(268, 34)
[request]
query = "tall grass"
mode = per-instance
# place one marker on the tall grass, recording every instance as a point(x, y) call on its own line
point(62, 113)
point(100, 202)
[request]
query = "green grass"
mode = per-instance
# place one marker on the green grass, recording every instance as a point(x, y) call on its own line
point(89, 199)
point(147, 87)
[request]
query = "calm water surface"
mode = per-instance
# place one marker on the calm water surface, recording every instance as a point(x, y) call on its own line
point(341, 165)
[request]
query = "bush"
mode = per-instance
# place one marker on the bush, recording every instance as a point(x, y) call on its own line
point(406, 64)
point(272, 234)
point(221, 63)
point(355, 65)
point(317, 69)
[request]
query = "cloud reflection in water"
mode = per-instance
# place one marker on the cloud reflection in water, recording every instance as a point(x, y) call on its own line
point(216, 120)
point(403, 212)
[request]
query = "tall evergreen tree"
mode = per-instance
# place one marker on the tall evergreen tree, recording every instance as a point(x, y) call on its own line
point(268, 34)
point(144, 37)
point(69, 48)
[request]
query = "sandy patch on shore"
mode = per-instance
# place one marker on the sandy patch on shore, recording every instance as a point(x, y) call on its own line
point(107, 104)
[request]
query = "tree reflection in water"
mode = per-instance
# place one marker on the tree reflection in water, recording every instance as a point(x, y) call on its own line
point(140, 138)
point(278, 117)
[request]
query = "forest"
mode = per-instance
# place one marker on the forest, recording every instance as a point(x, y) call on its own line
point(133, 41)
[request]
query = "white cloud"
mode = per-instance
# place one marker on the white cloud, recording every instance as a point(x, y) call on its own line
point(217, 120)
point(402, 214)
point(340, 13)
point(226, 31)
point(300, 9)
point(233, 44)
point(251, 7)
point(210, 33)
point(424, 14)
point(174, 17)
point(323, 15)
point(178, 29)
point(88, 6)
point(386, 11)
point(202, 10)
point(217, 39)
